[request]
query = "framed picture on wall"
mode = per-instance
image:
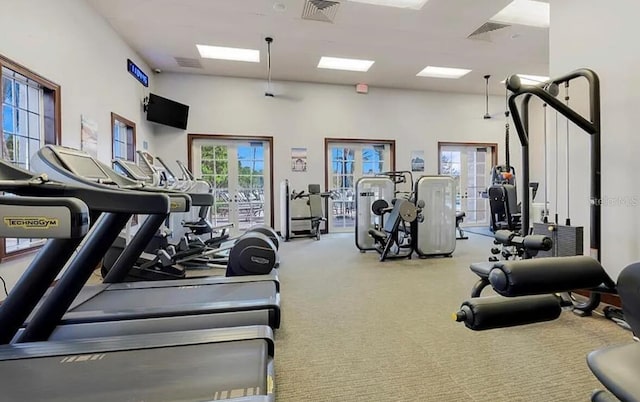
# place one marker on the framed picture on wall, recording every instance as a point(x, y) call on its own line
point(298, 159)
point(417, 161)
point(89, 135)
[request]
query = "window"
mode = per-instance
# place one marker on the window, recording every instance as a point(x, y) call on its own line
point(470, 164)
point(373, 159)
point(30, 118)
point(347, 160)
point(124, 145)
point(343, 170)
point(124, 138)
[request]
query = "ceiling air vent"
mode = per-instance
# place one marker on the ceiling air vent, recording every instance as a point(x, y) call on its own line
point(188, 62)
point(320, 10)
point(483, 33)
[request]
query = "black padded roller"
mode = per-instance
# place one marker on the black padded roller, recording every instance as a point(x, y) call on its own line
point(504, 237)
point(537, 242)
point(546, 275)
point(492, 312)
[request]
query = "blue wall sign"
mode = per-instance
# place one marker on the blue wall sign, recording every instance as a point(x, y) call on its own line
point(137, 72)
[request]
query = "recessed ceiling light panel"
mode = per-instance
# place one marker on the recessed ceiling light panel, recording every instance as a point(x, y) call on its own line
point(336, 63)
point(525, 12)
point(412, 4)
point(229, 53)
point(443, 72)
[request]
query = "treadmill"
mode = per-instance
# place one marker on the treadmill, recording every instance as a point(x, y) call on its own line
point(114, 309)
point(222, 364)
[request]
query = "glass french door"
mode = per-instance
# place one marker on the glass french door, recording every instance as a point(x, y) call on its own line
point(347, 162)
point(471, 166)
point(237, 172)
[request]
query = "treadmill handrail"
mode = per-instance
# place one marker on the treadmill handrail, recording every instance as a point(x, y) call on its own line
point(187, 173)
point(98, 197)
point(101, 199)
point(74, 223)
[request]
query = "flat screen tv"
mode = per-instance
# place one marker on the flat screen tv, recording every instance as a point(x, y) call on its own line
point(165, 111)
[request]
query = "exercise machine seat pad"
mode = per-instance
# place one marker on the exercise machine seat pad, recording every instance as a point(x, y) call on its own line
point(546, 275)
point(482, 269)
point(629, 291)
point(481, 313)
point(618, 369)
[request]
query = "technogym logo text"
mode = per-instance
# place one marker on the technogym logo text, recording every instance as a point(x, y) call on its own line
point(629, 201)
point(30, 222)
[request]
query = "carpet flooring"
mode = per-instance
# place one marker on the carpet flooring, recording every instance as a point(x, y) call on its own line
point(356, 329)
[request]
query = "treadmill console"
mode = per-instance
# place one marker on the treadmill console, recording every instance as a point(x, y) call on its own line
point(82, 164)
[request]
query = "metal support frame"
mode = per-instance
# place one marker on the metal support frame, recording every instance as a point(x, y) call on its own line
point(591, 127)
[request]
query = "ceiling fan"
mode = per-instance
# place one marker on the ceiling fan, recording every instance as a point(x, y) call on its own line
point(270, 92)
point(488, 115)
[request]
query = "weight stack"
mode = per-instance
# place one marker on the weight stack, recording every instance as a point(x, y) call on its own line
point(567, 240)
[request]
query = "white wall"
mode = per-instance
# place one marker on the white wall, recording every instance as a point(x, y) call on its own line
point(67, 42)
point(304, 114)
point(603, 36)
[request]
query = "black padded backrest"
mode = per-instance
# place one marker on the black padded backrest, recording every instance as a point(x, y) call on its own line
point(496, 199)
point(393, 219)
point(511, 198)
point(503, 203)
point(629, 291)
point(497, 205)
point(204, 212)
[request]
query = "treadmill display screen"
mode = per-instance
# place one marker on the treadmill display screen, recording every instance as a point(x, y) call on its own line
point(135, 169)
point(84, 166)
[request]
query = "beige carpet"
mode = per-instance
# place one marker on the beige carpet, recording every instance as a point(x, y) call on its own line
point(355, 329)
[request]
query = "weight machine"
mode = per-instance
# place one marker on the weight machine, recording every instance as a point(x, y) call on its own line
point(302, 213)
